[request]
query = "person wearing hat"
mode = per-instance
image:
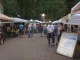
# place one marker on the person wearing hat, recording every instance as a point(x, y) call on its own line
point(50, 29)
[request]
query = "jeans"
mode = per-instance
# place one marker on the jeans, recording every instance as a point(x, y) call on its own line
point(50, 36)
point(29, 34)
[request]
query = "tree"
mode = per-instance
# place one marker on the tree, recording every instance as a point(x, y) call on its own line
point(31, 9)
point(70, 4)
point(11, 8)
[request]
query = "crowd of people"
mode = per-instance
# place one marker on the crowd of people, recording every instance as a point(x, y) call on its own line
point(54, 33)
point(51, 31)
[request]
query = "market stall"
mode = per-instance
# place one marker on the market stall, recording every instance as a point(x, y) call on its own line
point(72, 34)
point(3, 20)
point(18, 21)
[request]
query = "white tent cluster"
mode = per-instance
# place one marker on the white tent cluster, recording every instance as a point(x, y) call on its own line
point(76, 9)
point(38, 21)
point(34, 21)
point(6, 19)
point(18, 20)
point(57, 21)
point(73, 17)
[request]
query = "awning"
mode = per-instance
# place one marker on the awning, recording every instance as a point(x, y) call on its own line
point(57, 21)
point(38, 21)
point(75, 20)
point(6, 22)
point(34, 21)
point(19, 20)
point(64, 18)
point(4, 17)
point(76, 9)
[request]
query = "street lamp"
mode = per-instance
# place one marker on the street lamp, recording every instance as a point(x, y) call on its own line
point(43, 17)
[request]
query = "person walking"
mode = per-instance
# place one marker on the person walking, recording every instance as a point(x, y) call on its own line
point(21, 29)
point(32, 30)
point(29, 31)
point(50, 35)
point(45, 30)
point(40, 28)
point(59, 31)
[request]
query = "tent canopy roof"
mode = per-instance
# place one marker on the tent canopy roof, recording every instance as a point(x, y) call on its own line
point(4, 17)
point(75, 20)
point(18, 20)
point(76, 8)
point(64, 18)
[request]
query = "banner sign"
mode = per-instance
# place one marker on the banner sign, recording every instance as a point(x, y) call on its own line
point(67, 44)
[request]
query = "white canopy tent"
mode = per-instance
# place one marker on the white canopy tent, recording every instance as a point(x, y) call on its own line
point(31, 21)
point(38, 21)
point(76, 9)
point(19, 20)
point(58, 21)
point(25, 21)
point(74, 17)
point(74, 20)
point(6, 22)
point(5, 17)
point(34, 21)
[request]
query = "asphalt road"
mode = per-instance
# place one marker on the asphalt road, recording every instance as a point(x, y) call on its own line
point(35, 48)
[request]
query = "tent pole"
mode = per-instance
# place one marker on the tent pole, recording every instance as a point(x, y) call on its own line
point(70, 27)
point(12, 29)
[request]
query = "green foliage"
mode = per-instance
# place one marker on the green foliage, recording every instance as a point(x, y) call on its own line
point(70, 4)
point(31, 9)
point(10, 7)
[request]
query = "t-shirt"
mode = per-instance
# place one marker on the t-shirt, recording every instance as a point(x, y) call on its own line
point(50, 28)
point(20, 27)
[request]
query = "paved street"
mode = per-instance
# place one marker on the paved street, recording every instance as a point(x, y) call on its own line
point(35, 48)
